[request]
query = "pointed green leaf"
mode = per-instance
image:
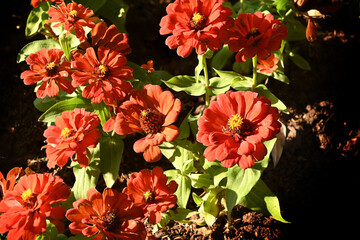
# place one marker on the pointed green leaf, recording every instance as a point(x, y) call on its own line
point(36, 18)
point(70, 104)
point(275, 102)
point(35, 46)
point(183, 190)
point(85, 178)
point(187, 84)
point(111, 150)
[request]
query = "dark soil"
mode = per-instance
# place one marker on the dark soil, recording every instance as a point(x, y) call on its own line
point(315, 178)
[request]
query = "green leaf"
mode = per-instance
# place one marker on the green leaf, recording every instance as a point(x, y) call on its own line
point(240, 181)
point(111, 150)
point(115, 11)
point(211, 206)
point(275, 102)
point(187, 84)
point(157, 77)
point(236, 80)
point(43, 104)
point(102, 110)
point(221, 57)
point(299, 61)
point(35, 46)
point(85, 178)
point(201, 180)
point(183, 190)
point(198, 200)
point(296, 30)
point(65, 44)
point(36, 19)
point(180, 214)
point(219, 85)
point(50, 234)
point(261, 199)
point(70, 104)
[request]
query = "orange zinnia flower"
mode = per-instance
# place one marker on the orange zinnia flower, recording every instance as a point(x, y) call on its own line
point(110, 214)
point(195, 24)
point(74, 17)
point(235, 126)
point(149, 66)
point(109, 37)
point(104, 74)
point(151, 111)
point(255, 34)
point(8, 184)
point(52, 69)
point(74, 132)
point(150, 191)
point(25, 209)
point(268, 65)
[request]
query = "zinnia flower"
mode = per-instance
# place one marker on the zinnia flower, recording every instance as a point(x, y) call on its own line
point(35, 3)
point(74, 132)
point(8, 183)
point(151, 111)
point(52, 69)
point(235, 126)
point(72, 16)
point(195, 24)
point(150, 191)
point(255, 34)
point(110, 214)
point(149, 66)
point(26, 208)
point(104, 74)
point(268, 65)
point(110, 37)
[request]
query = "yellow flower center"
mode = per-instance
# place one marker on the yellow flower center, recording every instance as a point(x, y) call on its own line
point(73, 13)
point(103, 70)
point(51, 66)
point(235, 122)
point(66, 132)
point(149, 196)
point(197, 18)
point(27, 195)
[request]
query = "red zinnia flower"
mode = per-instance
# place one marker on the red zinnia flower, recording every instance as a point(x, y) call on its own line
point(234, 127)
point(151, 111)
point(26, 208)
point(35, 3)
point(195, 24)
point(104, 72)
point(74, 132)
point(109, 37)
point(52, 69)
point(12, 177)
point(111, 214)
point(149, 66)
point(255, 34)
point(268, 65)
point(74, 17)
point(151, 193)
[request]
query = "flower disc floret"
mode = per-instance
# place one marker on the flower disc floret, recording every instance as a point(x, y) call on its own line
point(25, 209)
point(235, 126)
point(50, 69)
point(110, 214)
point(254, 34)
point(72, 16)
point(151, 111)
point(103, 73)
point(73, 133)
point(150, 191)
point(195, 24)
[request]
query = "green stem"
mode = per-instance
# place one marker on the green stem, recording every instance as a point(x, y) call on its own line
point(242, 5)
point(254, 62)
point(206, 76)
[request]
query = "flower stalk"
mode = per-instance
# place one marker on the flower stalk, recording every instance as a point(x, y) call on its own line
point(206, 76)
point(254, 62)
